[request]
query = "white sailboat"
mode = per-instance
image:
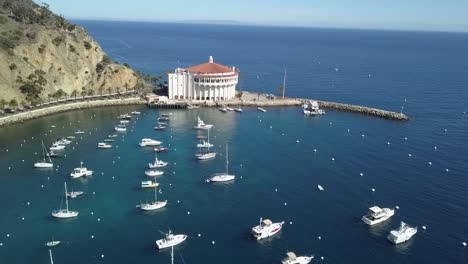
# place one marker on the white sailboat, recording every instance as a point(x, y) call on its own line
point(153, 205)
point(157, 163)
point(44, 163)
point(64, 213)
point(224, 176)
point(204, 155)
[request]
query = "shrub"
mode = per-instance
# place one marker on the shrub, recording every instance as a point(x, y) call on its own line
point(26, 59)
point(87, 45)
point(106, 59)
point(58, 40)
point(72, 48)
point(3, 20)
point(13, 66)
point(7, 43)
point(71, 27)
point(41, 48)
point(31, 35)
point(126, 65)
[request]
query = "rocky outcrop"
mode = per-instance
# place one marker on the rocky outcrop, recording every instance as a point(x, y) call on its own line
point(43, 55)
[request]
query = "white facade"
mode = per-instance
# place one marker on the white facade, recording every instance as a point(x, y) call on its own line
point(206, 82)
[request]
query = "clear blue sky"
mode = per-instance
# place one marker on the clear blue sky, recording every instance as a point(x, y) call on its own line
point(440, 15)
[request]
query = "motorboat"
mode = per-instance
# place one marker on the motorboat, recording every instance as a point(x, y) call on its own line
point(266, 228)
point(312, 108)
point(153, 173)
point(71, 137)
point(157, 163)
point(204, 144)
point(153, 205)
point(112, 136)
point(74, 194)
point(64, 213)
point(161, 149)
point(149, 184)
point(79, 132)
point(291, 258)
point(163, 118)
point(109, 140)
point(124, 116)
point(224, 176)
point(135, 113)
point(162, 124)
point(160, 128)
point(239, 110)
point(205, 155)
point(104, 145)
point(124, 121)
point(402, 234)
point(166, 115)
point(320, 188)
point(52, 243)
point(46, 161)
point(229, 108)
point(62, 141)
point(377, 215)
point(170, 240)
point(202, 125)
point(52, 154)
point(147, 142)
point(120, 128)
point(261, 109)
point(81, 171)
point(223, 109)
point(56, 147)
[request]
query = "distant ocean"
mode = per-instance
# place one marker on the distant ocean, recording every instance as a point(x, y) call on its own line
point(420, 165)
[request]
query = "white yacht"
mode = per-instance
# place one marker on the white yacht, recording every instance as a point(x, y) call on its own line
point(153, 173)
point(109, 140)
point(79, 132)
point(71, 137)
point(64, 213)
point(124, 116)
point(170, 240)
point(266, 228)
point(62, 141)
point(154, 205)
point(402, 234)
point(229, 108)
point(291, 258)
point(149, 184)
point(81, 171)
point(202, 125)
point(120, 128)
point(223, 109)
point(205, 155)
point(74, 194)
point(312, 108)
point(124, 121)
point(239, 110)
point(135, 113)
point(104, 145)
point(157, 162)
point(56, 147)
point(149, 142)
point(377, 215)
point(261, 109)
point(44, 163)
point(204, 144)
point(224, 176)
point(53, 243)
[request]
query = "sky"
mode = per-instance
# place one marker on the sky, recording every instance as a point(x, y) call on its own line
point(427, 15)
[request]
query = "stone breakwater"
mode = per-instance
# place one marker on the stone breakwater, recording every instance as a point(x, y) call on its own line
point(363, 110)
point(31, 114)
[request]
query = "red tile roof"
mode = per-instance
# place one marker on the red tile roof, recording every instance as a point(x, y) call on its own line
point(209, 67)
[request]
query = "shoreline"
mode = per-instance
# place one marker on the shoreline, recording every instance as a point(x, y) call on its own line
point(281, 102)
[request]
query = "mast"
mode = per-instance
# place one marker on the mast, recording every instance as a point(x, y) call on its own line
point(284, 81)
point(227, 160)
point(66, 196)
point(50, 254)
point(208, 140)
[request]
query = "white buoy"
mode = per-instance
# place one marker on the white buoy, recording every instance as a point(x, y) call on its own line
point(178, 201)
point(319, 238)
point(8, 235)
point(92, 213)
point(315, 150)
point(363, 135)
point(285, 203)
point(435, 148)
point(348, 130)
point(464, 244)
point(92, 236)
point(94, 193)
point(397, 207)
point(28, 203)
point(213, 242)
point(409, 155)
point(297, 141)
point(188, 212)
point(290, 222)
point(373, 190)
point(424, 227)
point(22, 218)
point(1, 244)
point(322, 258)
point(446, 170)
point(99, 219)
point(361, 174)
point(406, 138)
point(199, 235)
point(333, 159)
point(430, 163)
point(42, 186)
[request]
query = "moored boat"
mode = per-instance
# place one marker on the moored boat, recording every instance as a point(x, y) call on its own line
point(402, 234)
point(261, 109)
point(147, 142)
point(291, 258)
point(225, 176)
point(377, 215)
point(81, 171)
point(64, 213)
point(104, 145)
point(266, 228)
point(153, 173)
point(170, 240)
point(46, 162)
point(202, 125)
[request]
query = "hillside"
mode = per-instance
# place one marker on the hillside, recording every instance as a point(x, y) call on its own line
point(43, 55)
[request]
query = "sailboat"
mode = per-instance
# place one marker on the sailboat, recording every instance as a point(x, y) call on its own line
point(204, 155)
point(157, 162)
point(153, 205)
point(224, 176)
point(44, 163)
point(64, 213)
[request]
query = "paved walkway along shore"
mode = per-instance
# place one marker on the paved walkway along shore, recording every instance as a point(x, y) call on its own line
point(31, 114)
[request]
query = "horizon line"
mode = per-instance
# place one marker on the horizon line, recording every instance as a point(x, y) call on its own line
point(229, 22)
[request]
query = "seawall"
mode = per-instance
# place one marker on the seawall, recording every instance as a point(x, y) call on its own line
point(31, 114)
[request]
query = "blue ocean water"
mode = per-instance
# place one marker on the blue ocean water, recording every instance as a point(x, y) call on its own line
point(423, 72)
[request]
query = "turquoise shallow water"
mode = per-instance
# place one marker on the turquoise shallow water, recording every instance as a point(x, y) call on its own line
point(265, 156)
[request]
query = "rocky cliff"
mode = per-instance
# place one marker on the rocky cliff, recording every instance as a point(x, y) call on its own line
point(43, 55)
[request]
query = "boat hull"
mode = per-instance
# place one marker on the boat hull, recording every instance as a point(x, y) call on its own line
point(177, 239)
point(64, 214)
point(388, 213)
point(153, 206)
point(43, 165)
point(273, 230)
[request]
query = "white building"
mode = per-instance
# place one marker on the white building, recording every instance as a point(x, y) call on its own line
point(208, 81)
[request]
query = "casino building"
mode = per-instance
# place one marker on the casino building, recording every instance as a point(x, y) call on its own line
point(207, 81)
